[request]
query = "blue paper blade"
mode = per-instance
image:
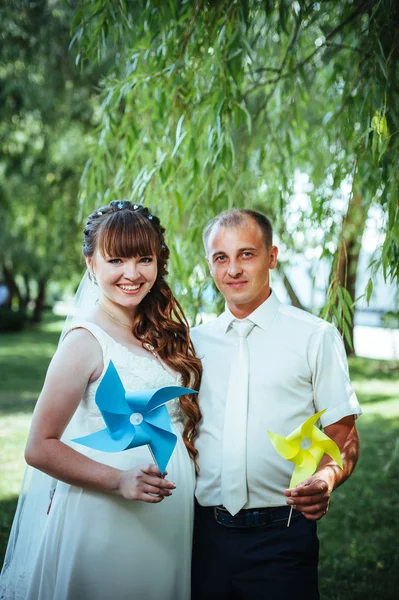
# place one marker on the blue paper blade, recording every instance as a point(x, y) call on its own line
point(103, 440)
point(163, 438)
point(159, 417)
point(162, 395)
point(142, 435)
point(115, 423)
point(138, 401)
point(162, 449)
point(110, 399)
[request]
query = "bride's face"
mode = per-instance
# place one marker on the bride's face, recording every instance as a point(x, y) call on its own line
point(123, 281)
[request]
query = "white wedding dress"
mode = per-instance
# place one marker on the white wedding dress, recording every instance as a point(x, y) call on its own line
point(96, 546)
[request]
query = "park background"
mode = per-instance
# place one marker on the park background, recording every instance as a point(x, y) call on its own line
point(191, 107)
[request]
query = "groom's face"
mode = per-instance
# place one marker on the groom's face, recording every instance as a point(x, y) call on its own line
point(239, 262)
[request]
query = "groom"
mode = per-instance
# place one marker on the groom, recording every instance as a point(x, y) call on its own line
point(266, 366)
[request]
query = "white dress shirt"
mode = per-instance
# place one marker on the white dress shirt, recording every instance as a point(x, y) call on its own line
point(298, 366)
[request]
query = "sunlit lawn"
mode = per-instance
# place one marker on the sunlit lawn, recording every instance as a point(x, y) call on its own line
point(359, 559)
point(24, 358)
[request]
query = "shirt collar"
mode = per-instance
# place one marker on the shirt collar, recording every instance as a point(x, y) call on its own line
point(261, 316)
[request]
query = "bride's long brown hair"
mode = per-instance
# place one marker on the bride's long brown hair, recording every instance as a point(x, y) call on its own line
point(124, 230)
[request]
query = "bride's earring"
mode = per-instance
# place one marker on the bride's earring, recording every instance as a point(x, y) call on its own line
point(92, 278)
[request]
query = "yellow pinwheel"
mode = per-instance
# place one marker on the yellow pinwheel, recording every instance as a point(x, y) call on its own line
point(305, 447)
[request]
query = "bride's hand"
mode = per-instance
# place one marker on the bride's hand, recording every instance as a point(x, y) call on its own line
point(145, 482)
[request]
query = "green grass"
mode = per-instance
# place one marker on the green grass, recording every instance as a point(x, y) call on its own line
point(24, 358)
point(358, 537)
point(359, 559)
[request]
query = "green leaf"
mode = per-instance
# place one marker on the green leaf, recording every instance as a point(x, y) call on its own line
point(179, 201)
point(347, 334)
point(347, 313)
point(348, 299)
point(374, 145)
point(179, 136)
point(369, 290)
point(247, 115)
point(382, 147)
point(77, 18)
point(337, 314)
point(222, 35)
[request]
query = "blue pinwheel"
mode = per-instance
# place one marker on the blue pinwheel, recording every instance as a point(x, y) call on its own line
point(134, 418)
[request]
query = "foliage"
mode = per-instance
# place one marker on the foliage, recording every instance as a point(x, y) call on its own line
point(214, 104)
point(47, 117)
point(391, 319)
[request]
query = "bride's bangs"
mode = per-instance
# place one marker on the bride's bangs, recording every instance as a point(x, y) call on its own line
point(126, 234)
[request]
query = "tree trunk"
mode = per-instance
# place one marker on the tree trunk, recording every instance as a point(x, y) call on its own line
point(290, 290)
point(27, 297)
point(349, 251)
point(12, 286)
point(39, 301)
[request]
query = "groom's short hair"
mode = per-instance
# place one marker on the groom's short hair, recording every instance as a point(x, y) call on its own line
point(234, 217)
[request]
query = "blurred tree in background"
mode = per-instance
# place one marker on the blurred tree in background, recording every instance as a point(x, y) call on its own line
point(288, 107)
point(214, 104)
point(47, 110)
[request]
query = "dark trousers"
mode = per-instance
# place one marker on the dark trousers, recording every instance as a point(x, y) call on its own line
point(272, 562)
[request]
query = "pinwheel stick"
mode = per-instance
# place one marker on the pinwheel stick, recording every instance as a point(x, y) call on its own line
point(154, 459)
point(289, 517)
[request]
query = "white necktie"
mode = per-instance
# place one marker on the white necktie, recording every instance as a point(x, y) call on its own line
point(234, 446)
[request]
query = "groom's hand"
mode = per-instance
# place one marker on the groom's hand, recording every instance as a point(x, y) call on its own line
point(311, 498)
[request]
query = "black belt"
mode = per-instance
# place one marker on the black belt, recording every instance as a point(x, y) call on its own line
point(251, 517)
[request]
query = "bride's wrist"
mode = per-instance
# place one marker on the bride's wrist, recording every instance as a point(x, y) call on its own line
point(116, 483)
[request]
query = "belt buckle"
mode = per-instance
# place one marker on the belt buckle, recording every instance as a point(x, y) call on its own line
point(249, 520)
point(219, 512)
point(239, 521)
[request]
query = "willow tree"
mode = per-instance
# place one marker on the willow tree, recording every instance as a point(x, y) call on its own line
point(211, 104)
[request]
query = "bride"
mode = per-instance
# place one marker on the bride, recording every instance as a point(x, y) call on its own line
point(96, 525)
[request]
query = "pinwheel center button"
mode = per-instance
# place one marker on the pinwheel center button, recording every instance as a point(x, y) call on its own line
point(136, 418)
point(305, 444)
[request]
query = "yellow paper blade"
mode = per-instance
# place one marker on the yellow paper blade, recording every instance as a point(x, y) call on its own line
point(303, 471)
point(331, 448)
point(300, 457)
point(282, 445)
point(319, 438)
point(317, 452)
point(307, 426)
